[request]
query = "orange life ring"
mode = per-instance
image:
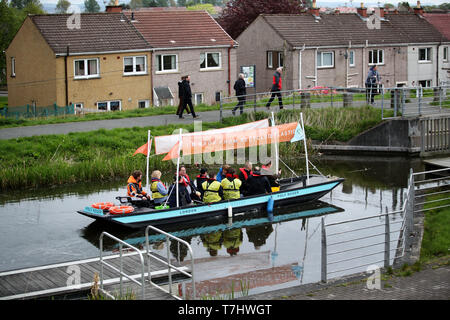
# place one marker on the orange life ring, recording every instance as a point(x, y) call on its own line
point(121, 209)
point(103, 205)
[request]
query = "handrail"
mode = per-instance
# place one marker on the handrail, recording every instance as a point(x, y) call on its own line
point(169, 265)
point(121, 244)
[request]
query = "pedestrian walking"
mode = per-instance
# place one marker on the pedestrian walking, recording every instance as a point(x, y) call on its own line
point(241, 91)
point(372, 81)
point(180, 95)
point(276, 88)
point(187, 98)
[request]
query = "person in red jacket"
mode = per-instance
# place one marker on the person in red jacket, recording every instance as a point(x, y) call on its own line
point(276, 88)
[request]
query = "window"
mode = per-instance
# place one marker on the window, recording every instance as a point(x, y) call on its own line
point(167, 62)
point(445, 54)
point(109, 105)
point(210, 60)
point(142, 104)
point(269, 59)
point(376, 57)
point(275, 59)
point(135, 65)
point(425, 83)
point(86, 68)
point(424, 54)
point(351, 58)
point(13, 67)
point(198, 98)
point(325, 59)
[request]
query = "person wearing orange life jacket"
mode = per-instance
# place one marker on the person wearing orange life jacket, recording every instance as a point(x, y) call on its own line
point(159, 190)
point(134, 187)
point(231, 185)
point(276, 88)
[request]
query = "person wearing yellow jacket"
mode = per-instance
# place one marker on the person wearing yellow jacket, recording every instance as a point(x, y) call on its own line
point(159, 190)
point(231, 186)
point(213, 191)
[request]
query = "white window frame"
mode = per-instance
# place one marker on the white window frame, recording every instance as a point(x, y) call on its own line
point(427, 56)
point(269, 59)
point(162, 64)
point(147, 103)
point(320, 62)
point(134, 72)
point(108, 105)
point(13, 67)
point(428, 83)
point(195, 97)
point(378, 56)
point(206, 61)
point(445, 54)
point(280, 58)
point(85, 76)
point(351, 56)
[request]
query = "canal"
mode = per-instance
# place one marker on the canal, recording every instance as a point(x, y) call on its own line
point(42, 227)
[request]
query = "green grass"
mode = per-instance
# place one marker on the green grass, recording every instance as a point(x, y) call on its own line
point(106, 155)
point(3, 102)
point(436, 237)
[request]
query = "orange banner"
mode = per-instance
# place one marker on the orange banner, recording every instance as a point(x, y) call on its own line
point(143, 149)
point(234, 140)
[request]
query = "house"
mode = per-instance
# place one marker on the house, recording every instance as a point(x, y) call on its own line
point(338, 49)
point(187, 43)
point(441, 21)
point(96, 61)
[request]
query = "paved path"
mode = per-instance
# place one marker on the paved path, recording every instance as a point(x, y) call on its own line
point(428, 284)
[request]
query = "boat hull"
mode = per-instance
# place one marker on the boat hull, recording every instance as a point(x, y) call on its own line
point(292, 194)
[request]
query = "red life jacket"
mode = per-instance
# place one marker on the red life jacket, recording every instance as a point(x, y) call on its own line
point(229, 175)
point(244, 172)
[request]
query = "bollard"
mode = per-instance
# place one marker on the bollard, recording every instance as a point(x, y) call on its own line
point(347, 99)
point(305, 100)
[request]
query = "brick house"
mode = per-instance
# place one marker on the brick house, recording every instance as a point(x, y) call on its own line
point(101, 64)
point(338, 49)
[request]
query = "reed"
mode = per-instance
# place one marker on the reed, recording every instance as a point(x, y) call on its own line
point(106, 155)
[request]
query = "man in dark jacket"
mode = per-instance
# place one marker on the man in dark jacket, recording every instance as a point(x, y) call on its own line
point(187, 98)
point(183, 194)
point(257, 184)
point(241, 91)
point(276, 88)
point(372, 81)
point(180, 95)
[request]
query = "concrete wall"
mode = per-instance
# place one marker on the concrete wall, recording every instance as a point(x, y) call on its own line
point(418, 71)
point(35, 68)
point(207, 82)
point(254, 43)
point(444, 65)
point(112, 84)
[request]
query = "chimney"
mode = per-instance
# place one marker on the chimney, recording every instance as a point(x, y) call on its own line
point(313, 10)
point(362, 11)
point(115, 8)
point(337, 11)
point(381, 12)
point(418, 10)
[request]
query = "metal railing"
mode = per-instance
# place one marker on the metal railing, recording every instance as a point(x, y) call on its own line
point(151, 255)
point(405, 231)
point(393, 101)
point(122, 274)
point(433, 187)
point(30, 111)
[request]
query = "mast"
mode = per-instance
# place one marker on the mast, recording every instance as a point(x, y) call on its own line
point(148, 156)
point(276, 147)
point(178, 167)
point(306, 150)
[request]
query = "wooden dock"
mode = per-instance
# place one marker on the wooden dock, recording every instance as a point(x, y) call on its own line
point(78, 276)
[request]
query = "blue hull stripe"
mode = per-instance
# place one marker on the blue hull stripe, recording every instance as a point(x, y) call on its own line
point(224, 205)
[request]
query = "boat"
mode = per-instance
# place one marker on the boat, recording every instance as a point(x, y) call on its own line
point(295, 190)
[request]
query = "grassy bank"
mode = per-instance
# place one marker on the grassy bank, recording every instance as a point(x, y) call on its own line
point(104, 155)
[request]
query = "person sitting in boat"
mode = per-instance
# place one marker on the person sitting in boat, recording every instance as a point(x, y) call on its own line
point(266, 170)
point(213, 191)
point(189, 184)
point(184, 198)
point(257, 183)
point(231, 185)
point(134, 187)
point(244, 173)
point(222, 172)
point(202, 177)
point(159, 190)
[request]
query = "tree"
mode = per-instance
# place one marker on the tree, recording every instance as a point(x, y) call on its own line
point(208, 7)
point(62, 6)
point(91, 6)
point(239, 14)
point(135, 4)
